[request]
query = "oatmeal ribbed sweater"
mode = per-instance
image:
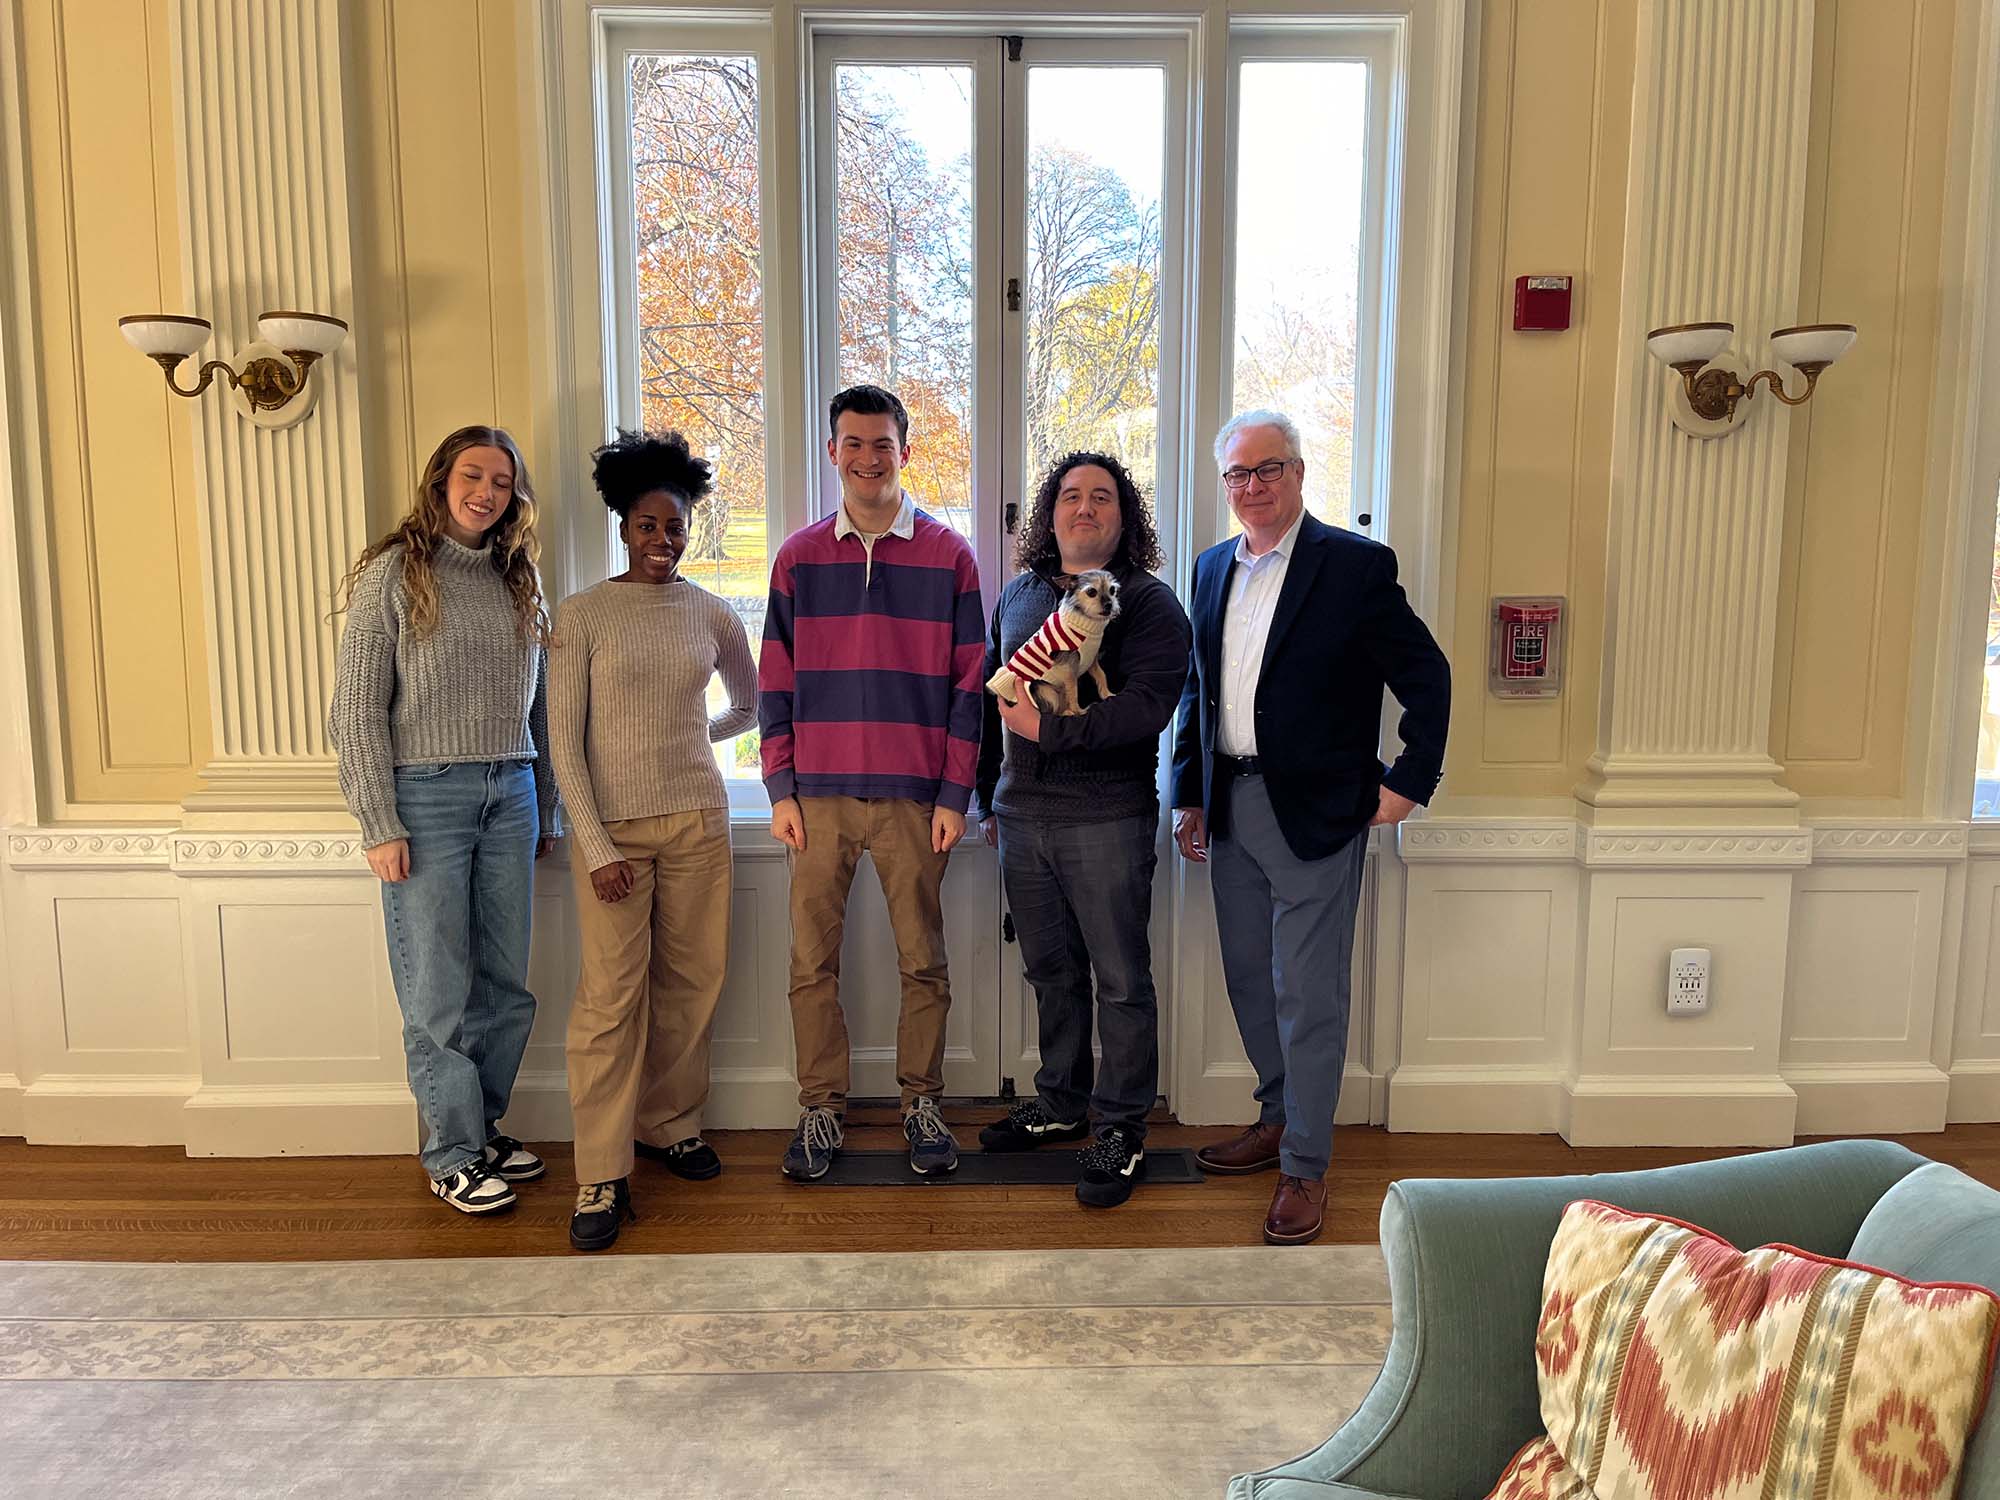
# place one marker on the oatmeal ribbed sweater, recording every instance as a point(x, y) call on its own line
point(629, 728)
point(472, 691)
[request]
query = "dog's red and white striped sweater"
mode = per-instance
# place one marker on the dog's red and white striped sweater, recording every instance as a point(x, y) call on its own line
point(1034, 656)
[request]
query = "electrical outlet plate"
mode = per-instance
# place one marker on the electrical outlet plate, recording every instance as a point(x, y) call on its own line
point(1687, 982)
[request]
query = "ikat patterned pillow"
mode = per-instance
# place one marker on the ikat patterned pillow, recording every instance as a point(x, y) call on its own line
point(1675, 1367)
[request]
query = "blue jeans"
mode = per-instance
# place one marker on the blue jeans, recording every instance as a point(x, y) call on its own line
point(1286, 927)
point(1080, 895)
point(458, 946)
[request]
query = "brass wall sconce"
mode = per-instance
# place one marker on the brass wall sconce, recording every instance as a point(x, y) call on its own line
point(1709, 400)
point(271, 378)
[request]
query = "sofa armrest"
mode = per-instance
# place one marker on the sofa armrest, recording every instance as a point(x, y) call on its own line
point(1457, 1396)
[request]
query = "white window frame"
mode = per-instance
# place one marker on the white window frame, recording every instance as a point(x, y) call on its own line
point(1376, 47)
point(618, 39)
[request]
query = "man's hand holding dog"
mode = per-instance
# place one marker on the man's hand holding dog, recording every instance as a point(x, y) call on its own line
point(1022, 717)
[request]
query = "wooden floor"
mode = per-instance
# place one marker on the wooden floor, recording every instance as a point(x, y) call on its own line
point(156, 1204)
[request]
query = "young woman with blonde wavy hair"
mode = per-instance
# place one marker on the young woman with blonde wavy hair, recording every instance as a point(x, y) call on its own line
point(440, 723)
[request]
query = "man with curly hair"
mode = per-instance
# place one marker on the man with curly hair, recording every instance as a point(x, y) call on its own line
point(1072, 803)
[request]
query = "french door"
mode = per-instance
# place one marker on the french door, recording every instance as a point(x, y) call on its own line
point(998, 236)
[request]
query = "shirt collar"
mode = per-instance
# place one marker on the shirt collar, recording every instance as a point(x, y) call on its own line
point(1284, 548)
point(904, 526)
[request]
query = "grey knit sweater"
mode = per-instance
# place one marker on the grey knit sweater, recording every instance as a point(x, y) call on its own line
point(472, 691)
point(629, 728)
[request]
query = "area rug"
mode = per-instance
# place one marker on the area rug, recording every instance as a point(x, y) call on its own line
point(1090, 1373)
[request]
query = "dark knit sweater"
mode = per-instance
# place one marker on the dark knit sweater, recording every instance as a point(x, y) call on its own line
point(1104, 763)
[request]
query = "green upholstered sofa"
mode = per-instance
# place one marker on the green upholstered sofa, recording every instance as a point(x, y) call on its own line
point(1456, 1398)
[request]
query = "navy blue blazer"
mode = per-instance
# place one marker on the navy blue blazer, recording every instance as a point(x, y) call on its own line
point(1343, 631)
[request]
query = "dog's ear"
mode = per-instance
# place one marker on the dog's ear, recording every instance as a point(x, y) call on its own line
point(1065, 582)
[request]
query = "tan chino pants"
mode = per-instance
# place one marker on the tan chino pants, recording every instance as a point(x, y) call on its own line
point(651, 972)
point(896, 833)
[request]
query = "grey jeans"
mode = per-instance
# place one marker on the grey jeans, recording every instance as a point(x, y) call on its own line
point(1286, 927)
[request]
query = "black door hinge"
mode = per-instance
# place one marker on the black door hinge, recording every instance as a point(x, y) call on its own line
point(1006, 927)
point(1013, 294)
point(1013, 48)
point(1008, 1093)
point(1013, 514)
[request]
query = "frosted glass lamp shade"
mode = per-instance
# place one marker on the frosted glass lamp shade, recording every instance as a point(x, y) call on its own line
point(1689, 343)
point(163, 333)
point(1813, 346)
point(315, 333)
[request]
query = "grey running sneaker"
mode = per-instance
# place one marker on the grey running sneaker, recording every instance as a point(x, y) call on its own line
point(932, 1149)
point(814, 1145)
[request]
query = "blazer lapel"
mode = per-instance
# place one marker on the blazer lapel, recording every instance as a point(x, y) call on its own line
point(1211, 598)
point(1307, 555)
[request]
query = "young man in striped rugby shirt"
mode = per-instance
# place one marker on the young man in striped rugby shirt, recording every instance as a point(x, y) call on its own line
point(869, 703)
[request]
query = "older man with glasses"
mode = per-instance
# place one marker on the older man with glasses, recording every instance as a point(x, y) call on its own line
point(1299, 627)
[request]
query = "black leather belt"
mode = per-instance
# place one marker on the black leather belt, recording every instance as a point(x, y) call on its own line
point(1239, 765)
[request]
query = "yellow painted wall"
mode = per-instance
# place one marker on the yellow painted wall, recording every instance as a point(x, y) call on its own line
point(1554, 119)
point(447, 298)
point(104, 241)
point(1853, 610)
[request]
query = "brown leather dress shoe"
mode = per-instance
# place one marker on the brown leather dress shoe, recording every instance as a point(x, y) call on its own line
point(1254, 1149)
point(1298, 1211)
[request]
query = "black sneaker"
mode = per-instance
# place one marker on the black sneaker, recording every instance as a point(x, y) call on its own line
point(692, 1158)
point(515, 1162)
point(474, 1188)
point(1027, 1125)
point(601, 1211)
point(814, 1145)
point(933, 1149)
point(1111, 1165)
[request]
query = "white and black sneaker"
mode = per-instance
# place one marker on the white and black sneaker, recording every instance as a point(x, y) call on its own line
point(515, 1162)
point(814, 1144)
point(1028, 1125)
point(1111, 1165)
point(474, 1188)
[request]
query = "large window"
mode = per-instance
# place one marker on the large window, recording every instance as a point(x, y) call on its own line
point(697, 330)
point(1305, 245)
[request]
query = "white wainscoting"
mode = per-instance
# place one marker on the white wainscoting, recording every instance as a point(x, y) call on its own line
point(230, 994)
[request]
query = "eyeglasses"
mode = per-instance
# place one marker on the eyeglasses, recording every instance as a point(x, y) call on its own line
point(1269, 473)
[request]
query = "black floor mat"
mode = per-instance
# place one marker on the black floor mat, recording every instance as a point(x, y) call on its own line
point(976, 1168)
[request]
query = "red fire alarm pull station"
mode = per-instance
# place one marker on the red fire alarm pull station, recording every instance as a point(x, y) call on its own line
point(1526, 657)
point(1541, 303)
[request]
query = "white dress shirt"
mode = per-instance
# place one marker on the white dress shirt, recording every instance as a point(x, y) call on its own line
point(1254, 587)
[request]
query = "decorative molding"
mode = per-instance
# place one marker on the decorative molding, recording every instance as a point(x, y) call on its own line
point(1713, 223)
point(262, 149)
point(88, 849)
point(1670, 846)
point(1911, 843)
point(259, 854)
point(1500, 839)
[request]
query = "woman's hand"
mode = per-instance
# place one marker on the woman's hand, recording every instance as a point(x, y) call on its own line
point(544, 844)
point(613, 883)
point(390, 861)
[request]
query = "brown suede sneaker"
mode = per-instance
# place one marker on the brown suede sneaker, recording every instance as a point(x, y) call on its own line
point(1298, 1211)
point(1254, 1149)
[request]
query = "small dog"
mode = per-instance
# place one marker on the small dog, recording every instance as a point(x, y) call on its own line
point(1051, 662)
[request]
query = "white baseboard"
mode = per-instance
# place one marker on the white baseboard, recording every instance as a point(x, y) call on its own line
point(1975, 1092)
point(376, 1119)
point(101, 1110)
point(1895, 1099)
point(10, 1105)
point(1680, 1110)
point(1227, 1096)
point(739, 1099)
point(1476, 1101)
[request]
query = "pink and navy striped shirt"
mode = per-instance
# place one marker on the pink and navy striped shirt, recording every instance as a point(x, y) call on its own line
point(870, 677)
point(1032, 658)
